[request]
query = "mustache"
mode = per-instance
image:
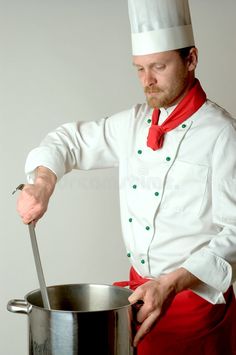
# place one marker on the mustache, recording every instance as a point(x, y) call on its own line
point(152, 90)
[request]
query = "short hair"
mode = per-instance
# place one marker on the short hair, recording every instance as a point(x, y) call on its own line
point(184, 52)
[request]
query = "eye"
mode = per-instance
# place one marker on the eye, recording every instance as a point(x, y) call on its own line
point(139, 69)
point(159, 67)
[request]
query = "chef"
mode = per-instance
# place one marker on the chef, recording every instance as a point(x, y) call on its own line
point(177, 163)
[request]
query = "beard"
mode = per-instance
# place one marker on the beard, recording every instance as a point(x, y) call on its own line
point(158, 97)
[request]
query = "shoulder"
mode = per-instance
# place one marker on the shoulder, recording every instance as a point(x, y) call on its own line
point(222, 125)
point(213, 119)
point(218, 116)
point(134, 112)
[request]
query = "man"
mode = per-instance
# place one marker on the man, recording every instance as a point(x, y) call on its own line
point(178, 195)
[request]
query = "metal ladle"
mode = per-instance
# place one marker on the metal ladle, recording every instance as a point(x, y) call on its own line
point(42, 283)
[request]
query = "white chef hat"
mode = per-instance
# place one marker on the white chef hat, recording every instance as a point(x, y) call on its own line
point(159, 25)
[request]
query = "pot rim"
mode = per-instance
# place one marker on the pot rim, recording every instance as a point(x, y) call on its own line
point(128, 291)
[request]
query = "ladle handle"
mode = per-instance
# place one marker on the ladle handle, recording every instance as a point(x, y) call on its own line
point(38, 264)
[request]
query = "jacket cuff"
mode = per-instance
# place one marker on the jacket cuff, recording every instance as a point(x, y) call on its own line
point(52, 162)
point(213, 271)
point(209, 293)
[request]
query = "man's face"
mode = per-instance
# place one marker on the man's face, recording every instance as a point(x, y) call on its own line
point(164, 77)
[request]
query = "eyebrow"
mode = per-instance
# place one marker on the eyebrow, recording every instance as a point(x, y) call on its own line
point(150, 65)
point(136, 65)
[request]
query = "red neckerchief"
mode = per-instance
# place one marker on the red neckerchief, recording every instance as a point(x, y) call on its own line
point(191, 102)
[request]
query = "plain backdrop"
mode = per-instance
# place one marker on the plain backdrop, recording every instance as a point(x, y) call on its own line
point(67, 60)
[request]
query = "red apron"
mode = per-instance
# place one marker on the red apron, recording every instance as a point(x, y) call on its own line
point(191, 326)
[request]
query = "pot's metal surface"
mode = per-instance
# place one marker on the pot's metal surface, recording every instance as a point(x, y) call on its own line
point(84, 319)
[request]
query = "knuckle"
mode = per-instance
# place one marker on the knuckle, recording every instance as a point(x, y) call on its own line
point(25, 220)
point(146, 330)
point(149, 306)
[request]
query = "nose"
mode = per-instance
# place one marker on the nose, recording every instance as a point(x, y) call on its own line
point(149, 79)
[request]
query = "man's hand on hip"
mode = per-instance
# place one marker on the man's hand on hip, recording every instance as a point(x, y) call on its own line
point(157, 296)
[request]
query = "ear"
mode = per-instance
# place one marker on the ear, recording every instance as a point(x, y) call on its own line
point(192, 59)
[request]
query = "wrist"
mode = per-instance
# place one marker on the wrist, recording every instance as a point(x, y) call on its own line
point(181, 279)
point(185, 280)
point(46, 179)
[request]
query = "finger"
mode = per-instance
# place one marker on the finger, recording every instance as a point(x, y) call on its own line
point(30, 215)
point(33, 223)
point(30, 220)
point(27, 219)
point(146, 309)
point(145, 328)
point(136, 296)
point(142, 314)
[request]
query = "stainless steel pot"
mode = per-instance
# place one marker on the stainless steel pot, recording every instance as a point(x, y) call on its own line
point(84, 319)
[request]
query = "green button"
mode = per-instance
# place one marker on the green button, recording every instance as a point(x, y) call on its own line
point(139, 151)
point(184, 126)
point(142, 261)
point(156, 194)
point(130, 220)
point(129, 255)
point(168, 158)
point(134, 186)
point(147, 228)
point(149, 121)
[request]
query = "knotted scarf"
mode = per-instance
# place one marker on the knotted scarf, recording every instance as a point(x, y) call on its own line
point(190, 103)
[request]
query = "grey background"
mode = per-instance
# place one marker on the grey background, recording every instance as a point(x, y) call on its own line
point(67, 60)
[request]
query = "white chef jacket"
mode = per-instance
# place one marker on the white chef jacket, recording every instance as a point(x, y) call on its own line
point(178, 203)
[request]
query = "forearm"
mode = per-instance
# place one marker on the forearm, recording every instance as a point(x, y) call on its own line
point(81, 145)
point(46, 178)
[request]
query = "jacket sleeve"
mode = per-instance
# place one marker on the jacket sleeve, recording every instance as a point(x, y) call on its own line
point(81, 145)
point(215, 264)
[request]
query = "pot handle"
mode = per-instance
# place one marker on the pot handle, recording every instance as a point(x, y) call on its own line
point(19, 306)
